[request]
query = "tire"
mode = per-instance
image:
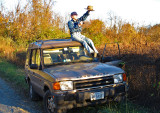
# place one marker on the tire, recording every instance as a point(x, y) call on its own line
point(49, 103)
point(32, 94)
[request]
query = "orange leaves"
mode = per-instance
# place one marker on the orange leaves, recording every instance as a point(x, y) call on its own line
point(34, 21)
point(154, 32)
point(94, 26)
point(94, 29)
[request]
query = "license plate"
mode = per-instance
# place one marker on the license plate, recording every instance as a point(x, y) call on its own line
point(97, 95)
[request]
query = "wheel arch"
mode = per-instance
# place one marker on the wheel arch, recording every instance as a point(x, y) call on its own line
point(46, 87)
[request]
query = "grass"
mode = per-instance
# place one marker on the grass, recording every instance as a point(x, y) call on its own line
point(15, 75)
point(123, 107)
point(12, 74)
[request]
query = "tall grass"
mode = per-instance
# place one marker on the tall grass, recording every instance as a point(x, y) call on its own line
point(13, 74)
point(113, 108)
point(143, 69)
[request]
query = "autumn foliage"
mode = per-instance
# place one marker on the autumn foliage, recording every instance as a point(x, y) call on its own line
point(38, 21)
point(33, 22)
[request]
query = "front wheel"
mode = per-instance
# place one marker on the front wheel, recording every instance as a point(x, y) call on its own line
point(49, 103)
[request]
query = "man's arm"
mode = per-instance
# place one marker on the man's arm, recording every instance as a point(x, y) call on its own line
point(84, 17)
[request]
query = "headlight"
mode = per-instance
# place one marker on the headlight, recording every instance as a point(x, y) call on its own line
point(118, 78)
point(66, 85)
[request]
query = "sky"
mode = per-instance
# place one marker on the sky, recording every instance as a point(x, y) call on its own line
point(142, 12)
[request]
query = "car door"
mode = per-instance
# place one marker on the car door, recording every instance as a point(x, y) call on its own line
point(27, 64)
point(35, 74)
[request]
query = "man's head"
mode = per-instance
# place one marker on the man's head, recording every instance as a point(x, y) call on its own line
point(74, 15)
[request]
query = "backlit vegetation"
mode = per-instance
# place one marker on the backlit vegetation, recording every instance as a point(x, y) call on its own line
point(139, 44)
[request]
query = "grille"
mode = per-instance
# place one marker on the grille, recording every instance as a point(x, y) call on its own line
point(94, 82)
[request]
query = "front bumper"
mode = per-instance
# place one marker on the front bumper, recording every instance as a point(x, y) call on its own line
point(80, 98)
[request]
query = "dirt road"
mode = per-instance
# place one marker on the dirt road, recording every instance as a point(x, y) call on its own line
point(13, 102)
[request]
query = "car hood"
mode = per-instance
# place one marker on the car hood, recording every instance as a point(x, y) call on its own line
point(82, 70)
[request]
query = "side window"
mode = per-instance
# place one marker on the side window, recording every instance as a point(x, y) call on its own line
point(38, 58)
point(35, 57)
point(27, 57)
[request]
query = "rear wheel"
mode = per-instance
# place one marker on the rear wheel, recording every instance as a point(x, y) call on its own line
point(32, 94)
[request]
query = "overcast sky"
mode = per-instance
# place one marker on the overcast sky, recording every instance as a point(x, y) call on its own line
point(144, 12)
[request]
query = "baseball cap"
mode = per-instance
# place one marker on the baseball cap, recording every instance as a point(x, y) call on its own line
point(74, 13)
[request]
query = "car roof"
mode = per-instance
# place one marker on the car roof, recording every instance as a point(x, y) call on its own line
point(55, 43)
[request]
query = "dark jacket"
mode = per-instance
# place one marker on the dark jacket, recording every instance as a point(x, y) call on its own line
point(73, 25)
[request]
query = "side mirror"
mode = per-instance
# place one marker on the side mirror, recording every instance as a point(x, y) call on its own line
point(34, 66)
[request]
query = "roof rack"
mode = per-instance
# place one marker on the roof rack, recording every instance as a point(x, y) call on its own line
point(42, 41)
point(53, 43)
point(53, 40)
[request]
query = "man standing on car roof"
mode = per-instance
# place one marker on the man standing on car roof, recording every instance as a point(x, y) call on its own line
point(75, 31)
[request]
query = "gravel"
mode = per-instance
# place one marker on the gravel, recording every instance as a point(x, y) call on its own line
point(13, 102)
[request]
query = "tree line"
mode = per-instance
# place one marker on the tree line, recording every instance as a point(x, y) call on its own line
point(36, 21)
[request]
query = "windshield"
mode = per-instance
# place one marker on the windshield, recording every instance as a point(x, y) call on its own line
point(65, 55)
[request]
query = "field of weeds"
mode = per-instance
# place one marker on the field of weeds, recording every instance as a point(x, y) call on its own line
point(143, 70)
